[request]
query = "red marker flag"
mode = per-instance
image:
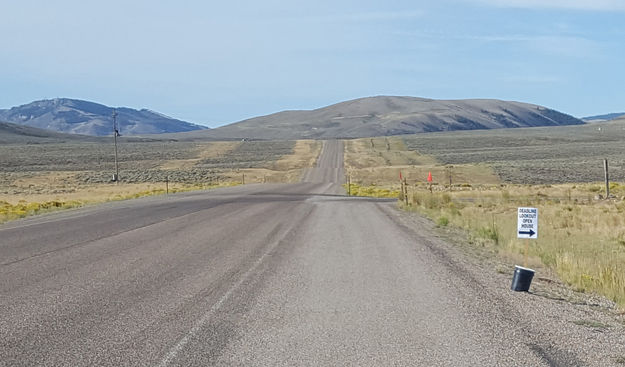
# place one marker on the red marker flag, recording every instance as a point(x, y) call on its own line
point(400, 178)
point(429, 176)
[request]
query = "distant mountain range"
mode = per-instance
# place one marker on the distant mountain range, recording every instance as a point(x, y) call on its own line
point(387, 115)
point(364, 117)
point(606, 117)
point(88, 118)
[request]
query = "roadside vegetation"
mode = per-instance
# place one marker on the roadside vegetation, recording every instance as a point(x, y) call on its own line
point(24, 208)
point(37, 178)
point(371, 191)
point(380, 162)
point(557, 170)
point(581, 238)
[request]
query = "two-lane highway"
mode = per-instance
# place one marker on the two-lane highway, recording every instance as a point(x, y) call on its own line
point(254, 275)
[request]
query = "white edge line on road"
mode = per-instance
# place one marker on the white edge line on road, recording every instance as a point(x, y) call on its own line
point(173, 352)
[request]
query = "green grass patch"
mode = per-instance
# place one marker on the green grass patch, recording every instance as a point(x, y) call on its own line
point(442, 221)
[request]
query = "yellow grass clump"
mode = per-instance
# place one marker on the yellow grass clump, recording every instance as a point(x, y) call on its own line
point(23, 208)
point(371, 191)
point(93, 195)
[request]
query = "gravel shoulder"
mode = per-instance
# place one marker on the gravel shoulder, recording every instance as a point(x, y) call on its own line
point(568, 328)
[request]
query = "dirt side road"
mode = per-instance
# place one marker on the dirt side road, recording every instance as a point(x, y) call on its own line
point(267, 275)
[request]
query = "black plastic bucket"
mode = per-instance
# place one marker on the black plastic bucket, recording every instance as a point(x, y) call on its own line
point(522, 279)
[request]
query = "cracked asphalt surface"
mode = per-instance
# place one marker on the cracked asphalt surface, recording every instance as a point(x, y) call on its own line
point(255, 275)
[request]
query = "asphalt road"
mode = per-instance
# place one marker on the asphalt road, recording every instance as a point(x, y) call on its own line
point(255, 275)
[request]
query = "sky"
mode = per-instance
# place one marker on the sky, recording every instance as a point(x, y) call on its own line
point(215, 63)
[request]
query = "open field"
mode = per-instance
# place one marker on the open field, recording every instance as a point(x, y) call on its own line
point(533, 156)
point(379, 161)
point(582, 236)
point(36, 177)
point(271, 162)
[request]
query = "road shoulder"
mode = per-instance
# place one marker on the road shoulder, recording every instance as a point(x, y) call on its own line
point(567, 326)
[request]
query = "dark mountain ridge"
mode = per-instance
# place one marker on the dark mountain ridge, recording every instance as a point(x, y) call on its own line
point(83, 117)
point(606, 117)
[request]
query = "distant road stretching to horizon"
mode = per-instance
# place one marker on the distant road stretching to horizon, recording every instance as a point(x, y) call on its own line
point(255, 275)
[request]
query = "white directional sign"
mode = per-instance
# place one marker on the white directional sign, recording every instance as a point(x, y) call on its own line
point(527, 226)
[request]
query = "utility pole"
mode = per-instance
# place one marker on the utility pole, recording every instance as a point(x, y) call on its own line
point(115, 135)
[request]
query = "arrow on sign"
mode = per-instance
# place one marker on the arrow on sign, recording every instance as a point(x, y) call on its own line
point(529, 233)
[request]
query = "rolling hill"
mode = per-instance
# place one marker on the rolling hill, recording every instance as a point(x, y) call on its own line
point(11, 133)
point(20, 134)
point(386, 115)
point(88, 118)
point(606, 117)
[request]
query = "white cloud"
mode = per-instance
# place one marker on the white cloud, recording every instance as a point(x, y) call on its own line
point(600, 5)
point(365, 16)
point(530, 79)
point(556, 45)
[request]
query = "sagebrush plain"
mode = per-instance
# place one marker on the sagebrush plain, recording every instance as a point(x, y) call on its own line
point(42, 177)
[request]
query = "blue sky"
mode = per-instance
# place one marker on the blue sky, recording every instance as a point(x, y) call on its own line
point(214, 63)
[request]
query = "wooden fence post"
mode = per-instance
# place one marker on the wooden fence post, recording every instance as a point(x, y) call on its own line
point(607, 178)
point(405, 191)
point(349, 185)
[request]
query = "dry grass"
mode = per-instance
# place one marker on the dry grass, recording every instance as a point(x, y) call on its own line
point(580, 238)
point(305, 153)
point(371, 191)
point(202, 151)
point(97, 192)
point(287, 169)
point(381, 152)
point(47, 177)
point(378, 162)
point(31, 205)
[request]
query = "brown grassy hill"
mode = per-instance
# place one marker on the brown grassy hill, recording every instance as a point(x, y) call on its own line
point(385, 115)
point(11, 133)
point(19, 134)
